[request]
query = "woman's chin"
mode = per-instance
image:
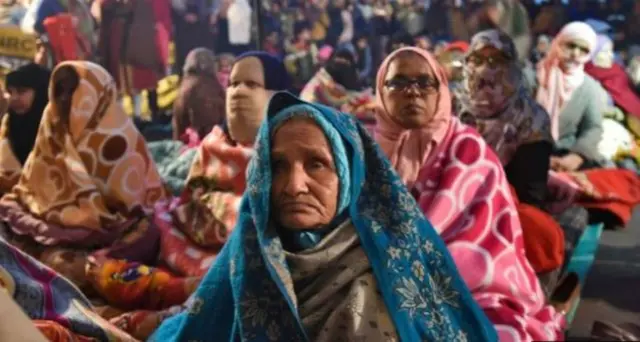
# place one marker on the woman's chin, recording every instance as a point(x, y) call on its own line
point(300, 221)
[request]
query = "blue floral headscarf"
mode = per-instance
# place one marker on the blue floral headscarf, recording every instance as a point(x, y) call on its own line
point(247, 294)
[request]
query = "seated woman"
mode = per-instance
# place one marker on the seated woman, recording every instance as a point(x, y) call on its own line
point(574, 100)
point(613, 77)
point(199, 106)
point(461, 188)
point(207, 209)
point(338, 259)
point(28, 88)
point(338, 85)
point(200, 103)
point(494, 100)
point(89, 180)
point(195, 226)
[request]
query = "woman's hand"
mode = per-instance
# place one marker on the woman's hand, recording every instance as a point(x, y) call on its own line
point(569, 163)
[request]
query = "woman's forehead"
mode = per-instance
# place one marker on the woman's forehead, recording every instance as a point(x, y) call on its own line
point(248, 69)
point(410, 65)
point(299, 129)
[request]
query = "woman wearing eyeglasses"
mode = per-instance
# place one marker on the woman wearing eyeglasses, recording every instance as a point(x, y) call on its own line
point(575, 101)
point(493, 99)
point(460, 186)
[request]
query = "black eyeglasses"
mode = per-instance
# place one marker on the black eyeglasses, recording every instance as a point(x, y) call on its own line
point(491, 61)
point(424, 84)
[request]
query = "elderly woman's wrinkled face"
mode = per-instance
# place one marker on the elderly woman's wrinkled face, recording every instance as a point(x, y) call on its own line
point(410, 92)
point(305, 185)
point(246, 100)
point(574, 53)
point(489, 78)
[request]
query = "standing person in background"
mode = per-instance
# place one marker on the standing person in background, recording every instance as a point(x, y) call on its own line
point(239, 19)
point(133, 46)
point(319, 17)
point(550, 18)
point(617, 17)
point(511, 17)
point(437, 20)
point(191, 19)
point(410, 15)
point(302, 57)
point(381, 27)
point(80, 24)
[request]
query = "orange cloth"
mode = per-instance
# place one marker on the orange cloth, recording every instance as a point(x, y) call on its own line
point(543, 237)
point(10, 167)
point(611, 190)
point(87, 180)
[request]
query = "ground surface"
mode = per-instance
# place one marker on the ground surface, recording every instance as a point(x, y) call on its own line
point(612, 290)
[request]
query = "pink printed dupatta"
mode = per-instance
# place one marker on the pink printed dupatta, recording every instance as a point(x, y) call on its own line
point(463, 191)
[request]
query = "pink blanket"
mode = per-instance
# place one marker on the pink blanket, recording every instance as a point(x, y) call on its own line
point(463, 191)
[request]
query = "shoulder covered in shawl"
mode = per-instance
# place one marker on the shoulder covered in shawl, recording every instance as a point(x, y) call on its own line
point(465, 194)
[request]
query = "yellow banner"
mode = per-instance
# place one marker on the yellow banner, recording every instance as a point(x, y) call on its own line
point(15, 43)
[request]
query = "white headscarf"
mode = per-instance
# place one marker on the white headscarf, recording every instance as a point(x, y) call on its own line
point(556, 86)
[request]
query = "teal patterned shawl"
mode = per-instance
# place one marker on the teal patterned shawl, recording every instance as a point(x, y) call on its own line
point(247, 294)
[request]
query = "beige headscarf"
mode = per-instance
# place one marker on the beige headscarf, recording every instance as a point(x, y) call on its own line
point(555, 85)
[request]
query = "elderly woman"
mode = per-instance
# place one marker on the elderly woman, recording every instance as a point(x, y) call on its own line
point(494, 100)
point(196, 225)
point(575, 101)
point(344, 255)
point(461, 188)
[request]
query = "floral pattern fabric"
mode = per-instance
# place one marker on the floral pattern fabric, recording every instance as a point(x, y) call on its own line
point(424, 295)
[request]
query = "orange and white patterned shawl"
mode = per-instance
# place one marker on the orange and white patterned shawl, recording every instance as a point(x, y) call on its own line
point(84, 184)
point(10, 166)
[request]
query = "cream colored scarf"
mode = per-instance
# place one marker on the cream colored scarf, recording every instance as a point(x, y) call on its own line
point(337, 292)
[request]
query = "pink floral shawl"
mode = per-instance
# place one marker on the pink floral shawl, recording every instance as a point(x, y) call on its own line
point(463, 191)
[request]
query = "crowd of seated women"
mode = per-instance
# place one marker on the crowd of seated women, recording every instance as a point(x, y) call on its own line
point(297, 222)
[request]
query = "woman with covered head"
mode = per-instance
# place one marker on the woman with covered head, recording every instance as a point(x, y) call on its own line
point(575, 102)
point(460, 186)
point(89, 180)
point(329, 245)
point(200, 104)
point(613, 78)
point(196, 225)
point(494, 100)
point(207, 210)
point(28, 88)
